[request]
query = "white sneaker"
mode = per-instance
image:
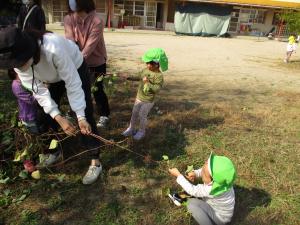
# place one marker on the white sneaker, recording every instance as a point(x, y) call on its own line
point(139, 135)
point(103, 120)
point(175, 200)
point(48, 159)
point(128, 132)
point(92, 174)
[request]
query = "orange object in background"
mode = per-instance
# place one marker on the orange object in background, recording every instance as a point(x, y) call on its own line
point(270, 3)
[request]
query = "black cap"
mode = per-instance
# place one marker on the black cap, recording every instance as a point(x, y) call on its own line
point(16, 47)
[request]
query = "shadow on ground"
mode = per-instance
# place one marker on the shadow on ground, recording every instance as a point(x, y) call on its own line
point(248, 199)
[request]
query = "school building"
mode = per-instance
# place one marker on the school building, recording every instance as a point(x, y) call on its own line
point(246, 16)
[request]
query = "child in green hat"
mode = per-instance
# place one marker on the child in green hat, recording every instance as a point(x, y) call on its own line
point(213, 201)
point(151, 81)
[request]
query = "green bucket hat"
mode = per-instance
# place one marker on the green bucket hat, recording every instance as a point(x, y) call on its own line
point(222, 172)
point(156, 55)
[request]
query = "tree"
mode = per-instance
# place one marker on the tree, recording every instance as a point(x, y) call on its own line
point(292, 20)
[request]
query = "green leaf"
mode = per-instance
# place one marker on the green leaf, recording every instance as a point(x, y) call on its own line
point(94, 89)
point(17, 156)
point(24, 153)
point(26, 191)
point(114, 78)
point(53, 144)
point(4, 181)
point(23, 174)
point(4, 201)
point(22, 198)
point(42, 158)
point(7, 192)
point(61, 178)
point(100, 78)
point(189, 169)
point(165, 157)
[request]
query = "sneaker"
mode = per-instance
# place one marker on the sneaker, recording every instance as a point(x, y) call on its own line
point(139, 135)
point(103, 121)
point(48, 159)
point(175, 199)
point(179, 198)
point(92, 174)
point(128, 132)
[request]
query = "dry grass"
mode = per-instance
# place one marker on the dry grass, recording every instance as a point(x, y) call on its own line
point(254, 124)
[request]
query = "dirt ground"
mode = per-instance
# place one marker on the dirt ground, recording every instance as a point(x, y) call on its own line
point(215, 62)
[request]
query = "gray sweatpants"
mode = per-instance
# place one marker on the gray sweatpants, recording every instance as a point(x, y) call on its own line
point(140, 112)
point(202, 212)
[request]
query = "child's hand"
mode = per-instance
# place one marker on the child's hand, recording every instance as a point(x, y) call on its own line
point(174, 172)
point(145, 79)
point(191, 176)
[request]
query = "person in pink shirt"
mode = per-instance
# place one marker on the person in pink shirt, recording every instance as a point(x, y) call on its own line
point(83, 26)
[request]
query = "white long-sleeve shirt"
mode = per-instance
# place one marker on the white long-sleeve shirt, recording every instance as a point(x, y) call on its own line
point(223, 204)
point(291, 47)
point(60, 59)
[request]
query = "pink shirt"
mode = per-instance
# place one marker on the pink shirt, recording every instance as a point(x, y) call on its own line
point(88, 34)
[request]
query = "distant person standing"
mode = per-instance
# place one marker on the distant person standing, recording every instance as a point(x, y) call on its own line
point(31, 16)
point(291, 47)
point(84, 27)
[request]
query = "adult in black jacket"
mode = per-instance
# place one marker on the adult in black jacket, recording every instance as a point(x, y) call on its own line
point(36, 19)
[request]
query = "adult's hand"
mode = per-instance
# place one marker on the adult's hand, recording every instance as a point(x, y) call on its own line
point(84, 126)
point(66, 125)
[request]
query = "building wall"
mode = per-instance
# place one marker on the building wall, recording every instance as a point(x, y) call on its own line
point(55, 11)
point(267, 26)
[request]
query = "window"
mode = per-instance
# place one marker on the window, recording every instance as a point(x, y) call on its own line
point(131, 7)
point(139, 8)
point(128, 6)
point(118, 5)
point(252, 16)
point(100, 6)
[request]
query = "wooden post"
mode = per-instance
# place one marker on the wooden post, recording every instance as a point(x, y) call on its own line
point(109, 14)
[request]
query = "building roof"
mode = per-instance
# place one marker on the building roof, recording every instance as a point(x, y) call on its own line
point(295, 4)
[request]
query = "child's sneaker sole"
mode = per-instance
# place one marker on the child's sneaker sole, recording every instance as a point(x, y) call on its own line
point(177, 203)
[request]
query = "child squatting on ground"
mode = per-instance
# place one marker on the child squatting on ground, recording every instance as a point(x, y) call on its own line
point(151, 81)
point(290, 48)
point(214, 200)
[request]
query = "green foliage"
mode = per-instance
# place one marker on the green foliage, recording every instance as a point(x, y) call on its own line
point(23, 174)
point(189, 169)
point(4, 181)
point(292, 19)
point(53, 144)
point(29, 218)
point(109, 83)
point(165, 157)
point(55, 202)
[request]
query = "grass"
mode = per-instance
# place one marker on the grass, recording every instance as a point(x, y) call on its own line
point(258, 131)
